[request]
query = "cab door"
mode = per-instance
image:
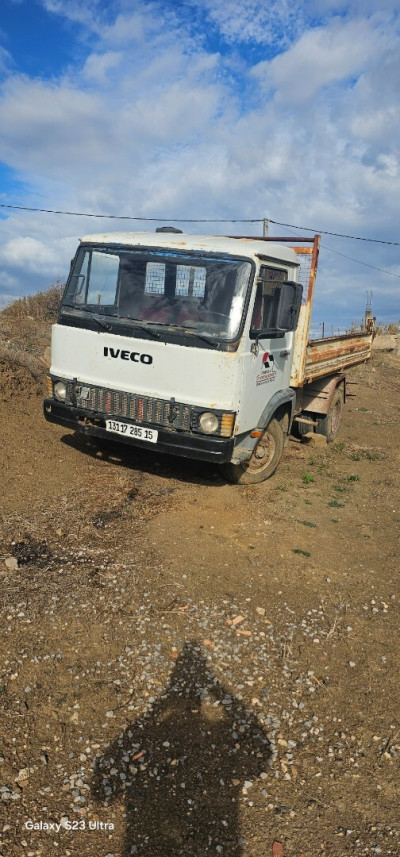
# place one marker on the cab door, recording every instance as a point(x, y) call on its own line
point(268, 348)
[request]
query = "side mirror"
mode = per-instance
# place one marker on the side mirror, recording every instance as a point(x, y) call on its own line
point(289, 306)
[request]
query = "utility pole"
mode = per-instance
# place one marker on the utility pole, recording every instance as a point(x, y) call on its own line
point(265, 227)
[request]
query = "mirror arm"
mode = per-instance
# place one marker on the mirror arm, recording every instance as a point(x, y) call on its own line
point(255, 346)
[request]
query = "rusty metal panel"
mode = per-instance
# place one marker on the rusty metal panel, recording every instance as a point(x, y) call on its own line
point(317, 396)
point(327, 356)
point(310, 256)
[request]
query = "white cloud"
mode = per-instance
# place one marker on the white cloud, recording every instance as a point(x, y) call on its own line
point(29, 254)
point(48, 127)
point(322, 56)
point(98, 66)
point(141, 25)
point(155, 124)
point(35, 251)
point(349, 8)
point(5, 60)
point(85, 12)
point(276, 21)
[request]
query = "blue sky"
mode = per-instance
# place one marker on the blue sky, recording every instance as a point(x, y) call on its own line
point(209, 109)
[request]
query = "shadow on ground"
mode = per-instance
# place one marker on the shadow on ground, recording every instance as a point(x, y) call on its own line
point(132, 458)
point(180, 768)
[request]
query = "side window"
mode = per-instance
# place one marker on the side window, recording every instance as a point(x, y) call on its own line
point(257, 317)
point(102, 276)
point(267, 298)
point(77, 287)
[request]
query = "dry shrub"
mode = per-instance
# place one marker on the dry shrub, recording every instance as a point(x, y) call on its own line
point(43, 306)
point(25, 328)
point(356, 327)
point(391, 328)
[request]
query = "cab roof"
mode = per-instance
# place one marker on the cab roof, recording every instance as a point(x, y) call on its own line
point(250, 248)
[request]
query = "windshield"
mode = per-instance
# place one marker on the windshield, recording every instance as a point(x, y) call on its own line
point(193, 292)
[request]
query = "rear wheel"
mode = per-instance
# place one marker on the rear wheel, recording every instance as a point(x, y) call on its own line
point(263, 461)
point(329, 425)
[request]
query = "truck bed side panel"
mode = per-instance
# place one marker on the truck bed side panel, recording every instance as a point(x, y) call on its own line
point(332, 355)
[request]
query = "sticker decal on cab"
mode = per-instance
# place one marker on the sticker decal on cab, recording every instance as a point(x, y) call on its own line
point(268, 371)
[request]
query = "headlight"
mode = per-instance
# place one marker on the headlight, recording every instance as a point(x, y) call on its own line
point(60, 391)
point(209, 422)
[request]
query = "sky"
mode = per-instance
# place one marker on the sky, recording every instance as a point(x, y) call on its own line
point(210, 109)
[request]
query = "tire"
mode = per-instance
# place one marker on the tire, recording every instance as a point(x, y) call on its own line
point(329, 425)
point(263, 461)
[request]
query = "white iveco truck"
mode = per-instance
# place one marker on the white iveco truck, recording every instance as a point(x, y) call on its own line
point(197, 346)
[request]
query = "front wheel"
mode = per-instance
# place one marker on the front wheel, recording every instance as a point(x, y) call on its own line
point(263, 461)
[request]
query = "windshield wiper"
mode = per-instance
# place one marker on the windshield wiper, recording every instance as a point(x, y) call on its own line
point(100, 321)
point(202, 336)
point(205, 338)
point(138, 323)
point(185, 329)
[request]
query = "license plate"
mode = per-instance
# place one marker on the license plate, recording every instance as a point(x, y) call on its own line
point(130, 430)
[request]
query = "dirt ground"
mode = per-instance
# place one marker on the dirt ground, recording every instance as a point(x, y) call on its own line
point(194, 668)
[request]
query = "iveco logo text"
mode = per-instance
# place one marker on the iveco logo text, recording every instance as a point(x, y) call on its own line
point(127, 355)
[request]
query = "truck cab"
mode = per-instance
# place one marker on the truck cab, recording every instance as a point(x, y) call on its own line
point(182, 344)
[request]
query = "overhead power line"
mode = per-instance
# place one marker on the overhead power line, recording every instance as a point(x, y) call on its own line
point(350, 258)
point(128, 217)
point(335, 234)
point(367, 265)
point(199, 220)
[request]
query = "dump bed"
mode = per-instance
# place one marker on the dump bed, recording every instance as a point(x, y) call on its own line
point(331, 355)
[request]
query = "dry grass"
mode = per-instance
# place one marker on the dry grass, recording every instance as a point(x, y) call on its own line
point(43, 306)
point(25, 338)
point(392, 328)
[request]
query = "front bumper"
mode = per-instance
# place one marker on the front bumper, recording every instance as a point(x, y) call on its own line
point(185, 444)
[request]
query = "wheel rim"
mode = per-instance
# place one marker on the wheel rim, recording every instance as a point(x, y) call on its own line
point(263, 453)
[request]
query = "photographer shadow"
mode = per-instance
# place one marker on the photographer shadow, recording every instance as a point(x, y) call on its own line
point(180, 768)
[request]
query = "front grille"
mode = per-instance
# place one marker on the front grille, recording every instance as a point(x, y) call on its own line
point(174, 415)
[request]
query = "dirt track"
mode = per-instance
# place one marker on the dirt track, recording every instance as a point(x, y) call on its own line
point(209, 668)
